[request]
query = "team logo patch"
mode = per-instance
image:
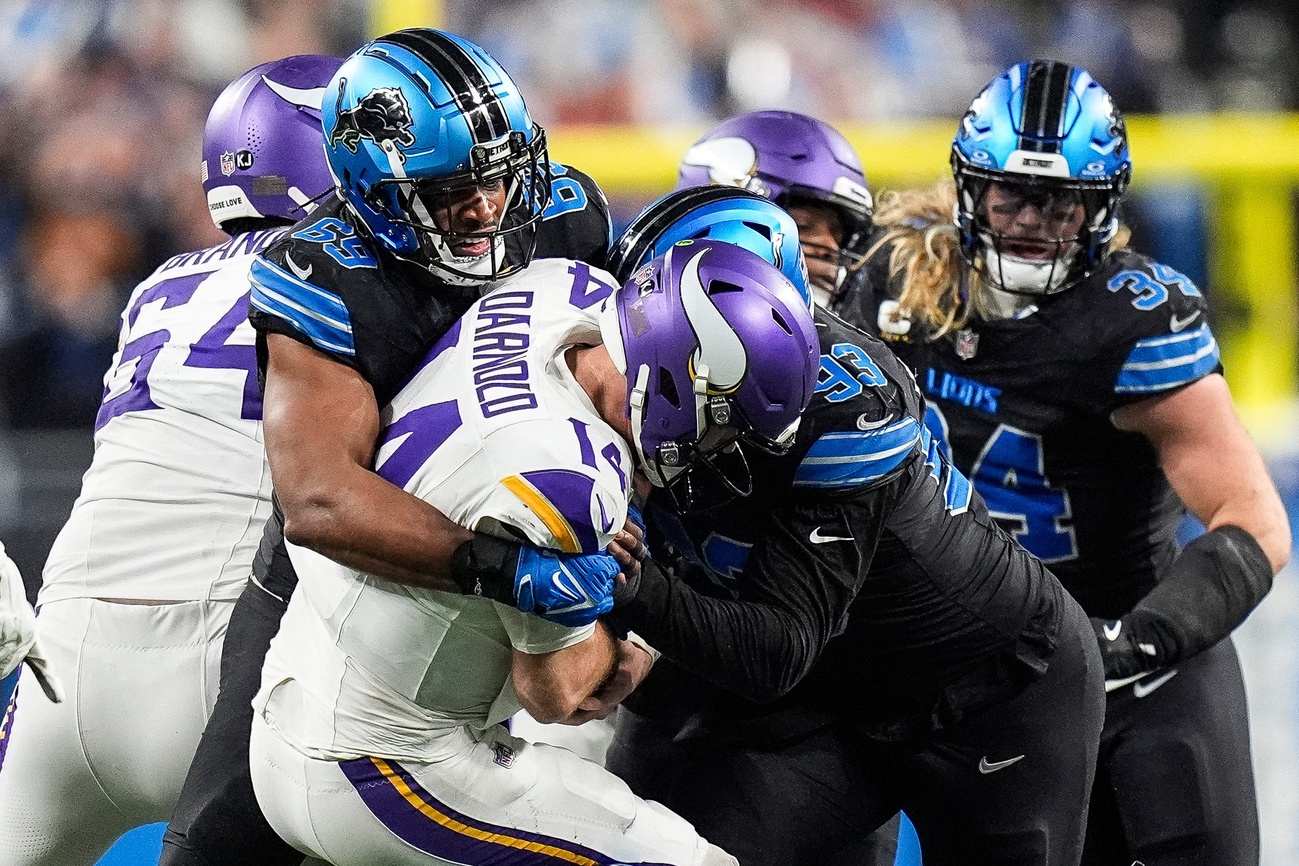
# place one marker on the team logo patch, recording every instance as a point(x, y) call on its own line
point(382, 115)
point(967, 343)
point(227, 163)
point(504, 754)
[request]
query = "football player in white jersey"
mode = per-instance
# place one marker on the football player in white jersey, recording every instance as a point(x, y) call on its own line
point(377, 734)
point(139, 585)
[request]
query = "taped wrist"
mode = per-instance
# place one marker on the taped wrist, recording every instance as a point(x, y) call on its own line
point(640, 606)
point(1209, 589)
point(485, 565)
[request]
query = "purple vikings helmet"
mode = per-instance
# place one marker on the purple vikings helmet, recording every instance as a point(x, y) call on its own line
point(719, 349)
point(263, 150)
point(787, 157)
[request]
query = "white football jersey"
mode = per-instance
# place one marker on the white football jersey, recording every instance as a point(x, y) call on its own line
point(173, 504)
point(494, 431)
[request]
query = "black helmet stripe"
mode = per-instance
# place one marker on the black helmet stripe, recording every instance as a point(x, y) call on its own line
point(469, 87)
point(644, 231)
point(1045, 98)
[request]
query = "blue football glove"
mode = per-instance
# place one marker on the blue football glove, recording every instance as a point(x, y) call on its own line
point(571, 589)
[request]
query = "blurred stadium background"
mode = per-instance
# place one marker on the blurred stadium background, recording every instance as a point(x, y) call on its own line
point(102, 104)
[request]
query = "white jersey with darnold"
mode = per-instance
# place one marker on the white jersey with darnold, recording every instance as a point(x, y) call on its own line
point(494, 431)
point(173, 504)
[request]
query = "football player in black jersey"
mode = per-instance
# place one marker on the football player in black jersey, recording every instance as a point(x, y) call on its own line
point(846, 632)
point(1078, 385)
point(443, 187)
point(808, 168)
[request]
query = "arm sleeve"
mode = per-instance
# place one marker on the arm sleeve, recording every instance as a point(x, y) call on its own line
point(798, 585)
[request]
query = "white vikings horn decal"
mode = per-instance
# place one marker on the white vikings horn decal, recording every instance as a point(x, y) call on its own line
point(720, 352)
point(302, 97)
point(730, 161)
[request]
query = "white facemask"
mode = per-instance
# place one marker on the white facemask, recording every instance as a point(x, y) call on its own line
point(1027, 276)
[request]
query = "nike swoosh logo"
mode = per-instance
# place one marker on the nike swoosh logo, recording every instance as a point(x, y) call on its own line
point(1144, 688)
point(300, 273)
point(1112, 633)
point(817, 538)
point(1175, 324)
point(986, 766)
point(309, 97)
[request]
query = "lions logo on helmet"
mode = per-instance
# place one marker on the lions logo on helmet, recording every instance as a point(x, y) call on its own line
point(382, 115)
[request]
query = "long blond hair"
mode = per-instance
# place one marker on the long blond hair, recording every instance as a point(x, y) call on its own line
point(925, 249)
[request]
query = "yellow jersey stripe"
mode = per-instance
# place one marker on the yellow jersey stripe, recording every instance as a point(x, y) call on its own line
point(557, 524)
point(473, 832)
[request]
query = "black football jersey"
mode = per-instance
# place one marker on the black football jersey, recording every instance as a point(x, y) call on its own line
point(1024, 405)
point(328, 285)
point(932, 607)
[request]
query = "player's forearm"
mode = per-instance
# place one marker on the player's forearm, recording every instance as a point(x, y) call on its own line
point(368, 524)
point(758, 650)
point(552, 686)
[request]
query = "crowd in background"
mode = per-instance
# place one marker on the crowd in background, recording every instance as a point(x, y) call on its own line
point(102, 104)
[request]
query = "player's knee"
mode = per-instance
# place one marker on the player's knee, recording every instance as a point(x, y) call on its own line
point(714, 856)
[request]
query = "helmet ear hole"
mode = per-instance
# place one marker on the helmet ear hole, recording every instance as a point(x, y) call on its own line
point(719, 287)
point(780, 320)
point(668, 388)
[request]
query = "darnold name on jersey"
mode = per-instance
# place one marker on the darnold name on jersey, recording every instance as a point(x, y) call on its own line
point(500, 354)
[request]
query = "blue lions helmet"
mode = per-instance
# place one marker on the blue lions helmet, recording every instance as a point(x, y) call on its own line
point(1041, 161)
point(420, 121)
point(718, 213)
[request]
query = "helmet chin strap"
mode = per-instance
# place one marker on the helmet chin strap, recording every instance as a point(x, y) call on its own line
point(638, 400)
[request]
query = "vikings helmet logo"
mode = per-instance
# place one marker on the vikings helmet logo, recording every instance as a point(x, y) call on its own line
point(382, 115)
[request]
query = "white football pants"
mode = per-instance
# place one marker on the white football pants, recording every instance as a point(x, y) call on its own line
point(483, 798)
point(141, 680)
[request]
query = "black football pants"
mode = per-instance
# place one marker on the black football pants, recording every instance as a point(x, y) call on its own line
point(1174, 782)
point(1007, 785)
point(217, 821)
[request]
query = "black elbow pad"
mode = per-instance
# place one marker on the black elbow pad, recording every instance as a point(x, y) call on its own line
point(1209, 590)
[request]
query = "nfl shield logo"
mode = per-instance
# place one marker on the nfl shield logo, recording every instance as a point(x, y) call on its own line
point(967, 343)
point(227, 163)
point(504, 754)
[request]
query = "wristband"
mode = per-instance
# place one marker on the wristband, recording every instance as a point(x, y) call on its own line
point(485, 566)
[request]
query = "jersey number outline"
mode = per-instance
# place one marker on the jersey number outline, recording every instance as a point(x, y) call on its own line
point(1150, 293)
point(210, 351)
point(566, 194)
point(843, 383)
point(340, 241)
point(1010, 475)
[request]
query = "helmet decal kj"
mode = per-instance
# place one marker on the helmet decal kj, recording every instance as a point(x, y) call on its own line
point(262, 148)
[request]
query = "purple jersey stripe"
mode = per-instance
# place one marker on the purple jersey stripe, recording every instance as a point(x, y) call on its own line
point(418, 818)
point(7, 725)
point(570, 493)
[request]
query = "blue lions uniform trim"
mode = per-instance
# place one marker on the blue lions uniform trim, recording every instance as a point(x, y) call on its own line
point(955, 486)
point(1159, 363)
point(850, 459)
point(316, 312)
